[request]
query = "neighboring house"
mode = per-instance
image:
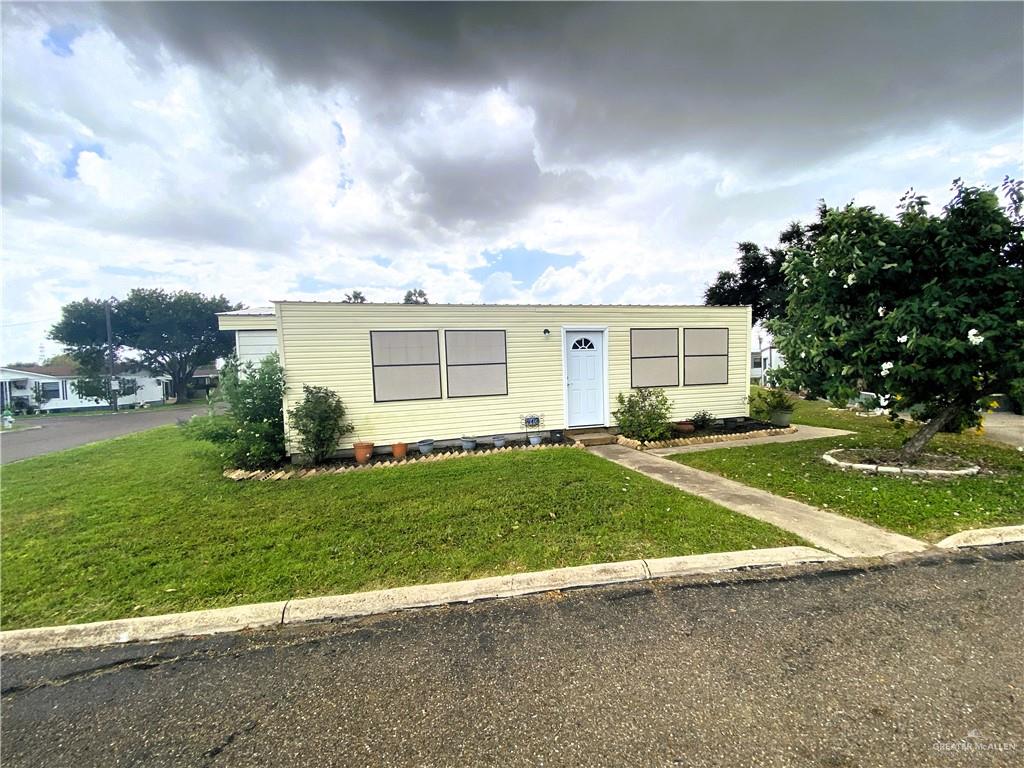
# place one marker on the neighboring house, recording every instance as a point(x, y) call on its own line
point(205, 378)
point(410, 372)
point(756, 366)
point(770, 358)
point(17, 388)
point(255, 332)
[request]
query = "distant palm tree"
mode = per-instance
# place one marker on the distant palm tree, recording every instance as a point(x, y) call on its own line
point(356, 297)
point(415, 296)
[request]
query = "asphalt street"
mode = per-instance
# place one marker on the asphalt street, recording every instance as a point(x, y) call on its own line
point(58, 433)
point(916, 664)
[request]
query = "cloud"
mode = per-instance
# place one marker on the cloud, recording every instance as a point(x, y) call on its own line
point(499, 152)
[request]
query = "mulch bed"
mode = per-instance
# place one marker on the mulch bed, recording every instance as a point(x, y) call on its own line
point(890, 458)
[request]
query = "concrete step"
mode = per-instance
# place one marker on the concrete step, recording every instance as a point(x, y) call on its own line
point(593, 438)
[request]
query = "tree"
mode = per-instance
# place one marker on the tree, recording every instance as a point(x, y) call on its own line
point(415, 296)
point(172, 333)
point(759, 282)
point(95, 386)
point(356, 297)
point(925, 310)
point(40, 394)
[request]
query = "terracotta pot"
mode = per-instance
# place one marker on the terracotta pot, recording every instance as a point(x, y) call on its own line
point(363, 452)
point(683, 427)
point(398, 450)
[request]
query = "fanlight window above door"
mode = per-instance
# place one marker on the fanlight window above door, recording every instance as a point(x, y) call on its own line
point(583, 343)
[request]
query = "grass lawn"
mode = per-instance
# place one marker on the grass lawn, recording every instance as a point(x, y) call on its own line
point(145, 524)
point(927, 509)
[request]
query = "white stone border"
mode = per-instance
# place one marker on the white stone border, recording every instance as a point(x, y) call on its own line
point(882, 469)
point(643, 445)
point(287, 474)
point(262, 615)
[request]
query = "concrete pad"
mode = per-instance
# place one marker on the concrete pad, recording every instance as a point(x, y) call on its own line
point(729, 561)
point(983, 537)
point(802, 433)
point(843, 535)
point(168, 625)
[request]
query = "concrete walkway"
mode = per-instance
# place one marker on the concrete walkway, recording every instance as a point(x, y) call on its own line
point(843, 535)
point(1005, 427)
point(802, 433)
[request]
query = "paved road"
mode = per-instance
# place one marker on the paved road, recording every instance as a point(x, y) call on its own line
point(1005, 427)
point(911, 665)
point(59, 433)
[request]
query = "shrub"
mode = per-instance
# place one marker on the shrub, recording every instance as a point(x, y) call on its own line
point(644, 414)
point(253, 431)
point(702, 419)
point(765, 402)
point(218, 429)
point(320, 421)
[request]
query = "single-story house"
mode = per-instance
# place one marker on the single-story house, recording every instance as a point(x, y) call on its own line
point(18, 388)
point(255, 332)
point(205, 377)
point(441, 371)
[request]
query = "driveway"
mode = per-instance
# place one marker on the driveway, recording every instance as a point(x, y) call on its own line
point(1005, 427)
point(58, 433)
point(911, 664)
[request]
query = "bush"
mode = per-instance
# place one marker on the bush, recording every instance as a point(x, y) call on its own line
point(765, 402)
point(644, 414)
point(702, 419)
point(254, 429)
point(215, 429)
point(320, 421)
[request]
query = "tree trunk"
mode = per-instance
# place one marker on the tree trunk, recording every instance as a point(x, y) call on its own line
point(180, 388)
point(919, 440)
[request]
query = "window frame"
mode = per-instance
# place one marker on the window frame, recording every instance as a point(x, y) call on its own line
point(374, 365)
point(677, 356)
point(55, 395)
point(726, 356)
point(447, 365)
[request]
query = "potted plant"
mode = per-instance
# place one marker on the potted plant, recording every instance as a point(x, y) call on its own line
point(425, 446)
point(469, 443)
point(532, 422)
point(778, 404)
point(499, 441)
point(702, 419)
point(398, 450)
point(683, 427)
point(363, 452)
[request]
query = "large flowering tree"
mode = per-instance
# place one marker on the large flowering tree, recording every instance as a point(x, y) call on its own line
point(926, 310)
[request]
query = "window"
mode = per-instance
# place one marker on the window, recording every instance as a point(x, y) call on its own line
point(705, 356)
point(583, 343)
point(475, 363)
point(51, 389)
point(406, 365)
point(654, 357)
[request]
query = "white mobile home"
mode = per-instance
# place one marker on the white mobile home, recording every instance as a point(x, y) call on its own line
point(411, 372)
point(18, 389)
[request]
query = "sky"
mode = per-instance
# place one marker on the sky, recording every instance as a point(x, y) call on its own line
point(538, 153)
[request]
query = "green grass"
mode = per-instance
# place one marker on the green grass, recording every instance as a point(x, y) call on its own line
point(145, 524)
point(927, 509)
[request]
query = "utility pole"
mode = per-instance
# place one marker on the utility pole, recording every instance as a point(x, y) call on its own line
point(114, 384)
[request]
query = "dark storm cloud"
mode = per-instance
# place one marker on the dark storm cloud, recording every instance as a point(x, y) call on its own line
point(761, 83)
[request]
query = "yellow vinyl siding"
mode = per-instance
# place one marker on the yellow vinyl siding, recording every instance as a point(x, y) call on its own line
point(329, 345)
point(228, 322)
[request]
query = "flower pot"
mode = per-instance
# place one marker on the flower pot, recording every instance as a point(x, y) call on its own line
point(425, 446)
point(398, 450)
point(781, 418)
point(363, 452)
point(683, 427)
point(535, 439)
point(499, 441)
point(469, 443)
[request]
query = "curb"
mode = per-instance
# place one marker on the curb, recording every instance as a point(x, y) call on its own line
point(983, 537)
point(262, 615)
point(20, 429)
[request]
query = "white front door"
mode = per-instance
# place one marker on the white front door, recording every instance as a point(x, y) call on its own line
point(584, 366)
